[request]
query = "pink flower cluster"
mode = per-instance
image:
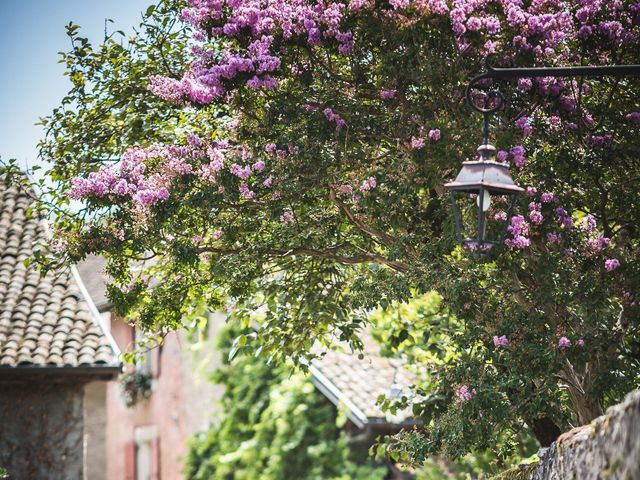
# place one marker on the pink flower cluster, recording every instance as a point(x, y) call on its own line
point(611, 264)
point(464, 394)
point(368, 184)
point(417, 143)
point(548, 197)
point(564, 218)
point(208, 171)
point(500, 215)
point(387, 94)
point(500, 341)
point(286, 217)
point(252, 37)
point(592, 242)
point(589, 223)
point(259, 59)
point(524, 124)
point(553, 237)
point(540, 28)
point(517, 153)
point(334, 117)
point(186, 89)
point(145, 175)
point(240, 172)
point(535, 215)
point(519, 229)
point(601, 140)
point(246, 192)
point(128, 179)
point(564, 343)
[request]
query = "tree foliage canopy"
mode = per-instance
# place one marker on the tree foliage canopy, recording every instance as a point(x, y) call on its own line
point(288, 157)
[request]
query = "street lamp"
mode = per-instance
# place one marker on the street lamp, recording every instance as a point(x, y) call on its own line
point(483, 194)
point(481, 184)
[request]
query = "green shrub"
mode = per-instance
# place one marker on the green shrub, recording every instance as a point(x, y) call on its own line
point(273, 426)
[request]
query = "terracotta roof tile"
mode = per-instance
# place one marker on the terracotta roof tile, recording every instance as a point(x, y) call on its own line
point(361, 381)
point(44, 321)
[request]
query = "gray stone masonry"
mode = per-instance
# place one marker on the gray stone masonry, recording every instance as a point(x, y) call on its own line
point(608, 448)
point(41, 430)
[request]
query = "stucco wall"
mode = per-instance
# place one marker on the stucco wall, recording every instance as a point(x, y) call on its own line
point(41, 430)
point(95, 431)
point(182, 402)
point(202, 396)
point(163, 410)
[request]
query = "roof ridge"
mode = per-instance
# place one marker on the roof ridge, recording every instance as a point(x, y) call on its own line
point(95, 314)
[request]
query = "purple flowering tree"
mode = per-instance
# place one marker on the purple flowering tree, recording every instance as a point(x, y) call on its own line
point(288, 157)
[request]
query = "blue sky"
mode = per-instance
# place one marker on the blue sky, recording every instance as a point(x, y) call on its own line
point(32, 32)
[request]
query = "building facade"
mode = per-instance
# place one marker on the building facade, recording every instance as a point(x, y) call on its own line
point(52, 346)
point(149, 440)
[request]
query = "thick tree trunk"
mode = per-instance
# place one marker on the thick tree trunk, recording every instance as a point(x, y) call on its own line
point(586, 406)
point(545, 430)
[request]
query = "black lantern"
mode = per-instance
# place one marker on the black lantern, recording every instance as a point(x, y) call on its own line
point(482, 195)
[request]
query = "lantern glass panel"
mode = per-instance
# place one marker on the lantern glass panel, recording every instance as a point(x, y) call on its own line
point(480, 224)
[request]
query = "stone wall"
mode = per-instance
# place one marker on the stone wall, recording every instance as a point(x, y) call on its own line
point(606, 449)
point(41, 430)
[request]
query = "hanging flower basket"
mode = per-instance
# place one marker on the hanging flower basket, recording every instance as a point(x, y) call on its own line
point(135, 386)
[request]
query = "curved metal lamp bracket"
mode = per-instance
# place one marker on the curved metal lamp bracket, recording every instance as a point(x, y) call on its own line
point(492, 94)
point(495, 98)
point(492, 101)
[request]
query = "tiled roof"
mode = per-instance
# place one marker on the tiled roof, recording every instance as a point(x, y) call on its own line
point(44, 321)
point(356, 383)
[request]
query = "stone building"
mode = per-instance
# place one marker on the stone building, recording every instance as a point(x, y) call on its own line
point(54, 351)
point(148, 440)
point(354, 382)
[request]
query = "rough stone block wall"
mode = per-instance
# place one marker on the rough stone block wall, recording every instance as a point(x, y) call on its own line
point(606, 449)
point(41, 430)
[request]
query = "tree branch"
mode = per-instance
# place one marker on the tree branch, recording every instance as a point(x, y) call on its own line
point(324, 254)
point(379, 235)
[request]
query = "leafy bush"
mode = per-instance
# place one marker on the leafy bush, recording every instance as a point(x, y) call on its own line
point(273, 426)
point(428, 337)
